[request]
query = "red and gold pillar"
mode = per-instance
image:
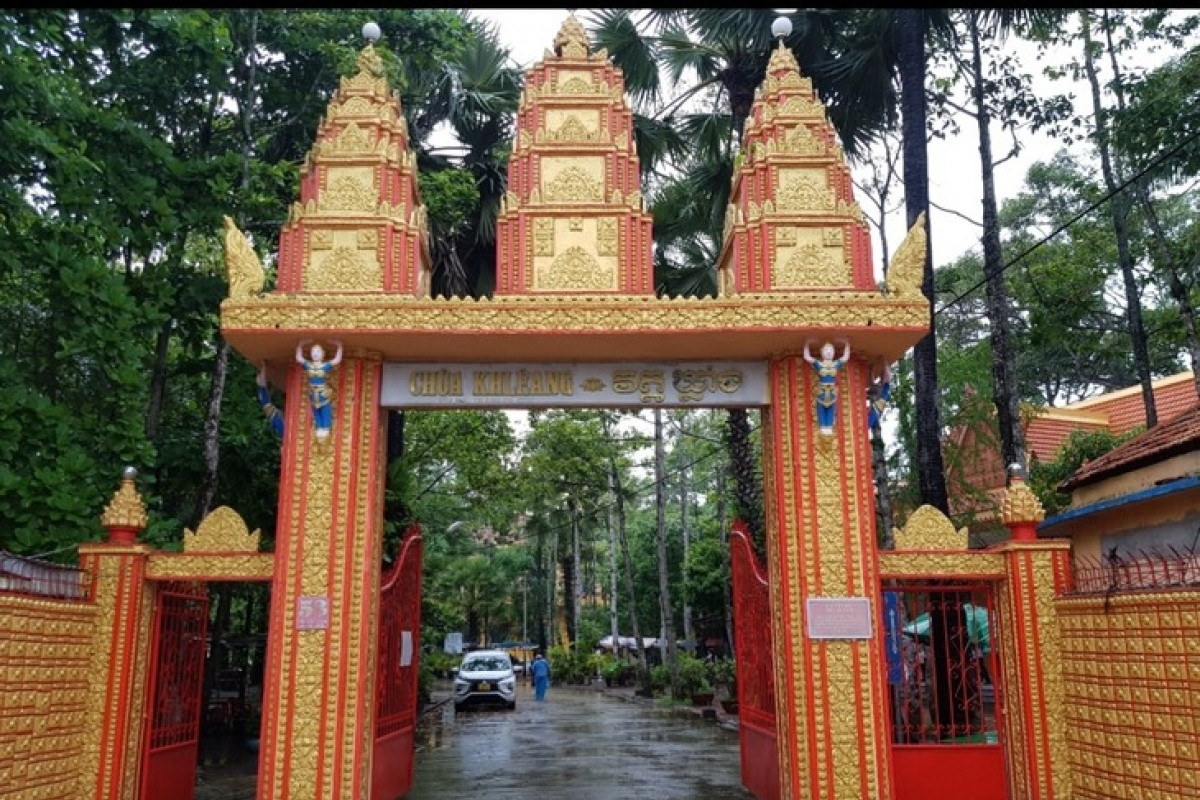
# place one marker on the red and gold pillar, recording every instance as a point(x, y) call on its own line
point(829, 661)
point(1035, 728)
point(318, 704)
point(125, 602)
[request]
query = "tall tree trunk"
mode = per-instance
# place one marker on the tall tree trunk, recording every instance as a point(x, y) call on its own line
point(748, 493)
point(212, 416)
point(689, 633)
point(552, 591)
point(395, 506)
point(664, 576)
point(644, 686)
point(1179, 288)
point(158, 380)
point(613, 619)
point(884, 530)
point(931, 473)
point(1004, 371)
point(726, 566)
point(1119, 207)
point(576, 569)
point(212, 433)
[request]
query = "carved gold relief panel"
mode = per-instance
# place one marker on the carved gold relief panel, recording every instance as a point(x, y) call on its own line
point(349, 263)
point(350, 189)
point(806, 257)
point(805, 190)
point(584, 255)
point(575, 81)
point(572, 125)
point(351, 140)
point(572, 179)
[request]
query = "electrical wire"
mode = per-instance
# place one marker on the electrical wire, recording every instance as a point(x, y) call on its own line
point(1153, 165)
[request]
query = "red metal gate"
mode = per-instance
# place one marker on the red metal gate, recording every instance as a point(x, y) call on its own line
point(171, 740)
point(756, 676)
point(947, 710)
point(398, 661)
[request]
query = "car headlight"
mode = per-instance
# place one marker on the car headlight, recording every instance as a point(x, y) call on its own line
point(460, 684)
point(508, 683)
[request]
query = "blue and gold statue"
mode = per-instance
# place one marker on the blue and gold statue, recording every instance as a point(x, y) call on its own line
point(320, 393)
point(827, 368)
point(273, 415)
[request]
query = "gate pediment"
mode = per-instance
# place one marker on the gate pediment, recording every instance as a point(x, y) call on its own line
point(575, 277)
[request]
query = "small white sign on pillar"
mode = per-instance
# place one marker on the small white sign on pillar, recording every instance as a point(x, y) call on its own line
point(839, 618)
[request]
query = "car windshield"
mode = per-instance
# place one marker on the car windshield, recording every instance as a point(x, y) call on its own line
point(486, 663)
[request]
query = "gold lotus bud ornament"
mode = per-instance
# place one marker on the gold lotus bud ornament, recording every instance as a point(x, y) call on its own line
point(125, 516)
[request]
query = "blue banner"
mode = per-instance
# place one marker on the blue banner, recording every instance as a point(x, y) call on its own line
point(891, 618)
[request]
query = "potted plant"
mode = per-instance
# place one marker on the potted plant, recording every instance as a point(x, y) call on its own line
point(723, 674)
point(693, 680)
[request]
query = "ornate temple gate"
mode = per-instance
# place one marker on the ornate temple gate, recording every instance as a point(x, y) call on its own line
point(575, 320)
point(175, 701)
point(398, 659)
point(756, 679)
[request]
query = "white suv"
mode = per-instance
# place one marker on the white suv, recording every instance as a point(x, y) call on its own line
point(485, 677)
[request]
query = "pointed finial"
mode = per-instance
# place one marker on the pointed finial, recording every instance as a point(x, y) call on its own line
point(125, 515)
point(572, 39)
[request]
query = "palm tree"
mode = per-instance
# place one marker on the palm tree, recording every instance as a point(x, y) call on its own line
point(476, 96)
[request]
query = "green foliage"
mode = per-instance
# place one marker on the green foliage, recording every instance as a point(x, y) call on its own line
point(722, 672)
point(660, 678)
point(706, 576)
point(451, 198)
point(1079, 448)
point(692, 675)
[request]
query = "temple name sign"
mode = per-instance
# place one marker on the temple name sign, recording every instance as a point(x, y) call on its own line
point(582, 385)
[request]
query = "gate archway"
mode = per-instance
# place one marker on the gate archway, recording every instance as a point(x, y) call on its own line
point(575, 320)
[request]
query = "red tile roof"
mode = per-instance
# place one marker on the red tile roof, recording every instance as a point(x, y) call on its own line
point(1179, 435)
point(1045, 433)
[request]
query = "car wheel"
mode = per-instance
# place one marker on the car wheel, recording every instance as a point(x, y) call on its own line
point(512, 705)
point(458, 707)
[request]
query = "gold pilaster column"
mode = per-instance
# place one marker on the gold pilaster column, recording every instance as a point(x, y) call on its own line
point(318, 703)
point(830, 692)
point(1035, 727)
point(124, 601)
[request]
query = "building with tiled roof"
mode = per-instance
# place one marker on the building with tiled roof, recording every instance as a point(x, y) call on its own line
point(976, 468)
point(1135, 511)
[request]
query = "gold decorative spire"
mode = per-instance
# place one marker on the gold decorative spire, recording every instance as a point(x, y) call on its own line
point(369, 62)
point(782, 59)
point(572, 39)
point(906, 273)
point(126, 509)
point(1020, 504)
point(242, 266)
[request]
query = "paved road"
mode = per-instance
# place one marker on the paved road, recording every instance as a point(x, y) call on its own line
point(577, 745)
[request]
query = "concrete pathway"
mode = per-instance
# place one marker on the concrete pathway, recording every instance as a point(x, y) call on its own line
point(580, 744)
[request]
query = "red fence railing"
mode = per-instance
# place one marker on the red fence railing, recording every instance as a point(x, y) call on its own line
point(1133, 570)
point(945, 667)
